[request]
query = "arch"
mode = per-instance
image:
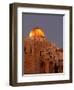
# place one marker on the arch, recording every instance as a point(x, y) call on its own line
point(42, 67)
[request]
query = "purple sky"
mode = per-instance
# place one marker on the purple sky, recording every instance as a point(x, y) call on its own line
point(51, 24)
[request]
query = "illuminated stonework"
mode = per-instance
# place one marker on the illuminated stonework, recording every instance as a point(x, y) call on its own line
point(40, 55)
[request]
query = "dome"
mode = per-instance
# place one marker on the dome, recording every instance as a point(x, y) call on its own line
point(37, 32)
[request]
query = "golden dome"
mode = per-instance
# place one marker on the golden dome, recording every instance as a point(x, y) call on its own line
point(37, 32)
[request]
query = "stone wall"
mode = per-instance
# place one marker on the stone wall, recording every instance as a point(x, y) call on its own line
point(41, 56)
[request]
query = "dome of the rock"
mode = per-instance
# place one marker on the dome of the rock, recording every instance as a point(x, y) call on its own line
point(37, 32)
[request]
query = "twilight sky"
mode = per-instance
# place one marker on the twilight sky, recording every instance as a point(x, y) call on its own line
point(52, 26)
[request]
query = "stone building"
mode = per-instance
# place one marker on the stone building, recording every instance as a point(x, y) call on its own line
point(42, 56)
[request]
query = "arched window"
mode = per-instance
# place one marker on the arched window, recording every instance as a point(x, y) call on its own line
point(42, 67)
point(56, 68)
point(51, 67)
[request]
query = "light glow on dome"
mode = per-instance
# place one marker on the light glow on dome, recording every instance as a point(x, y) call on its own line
point(36, 32)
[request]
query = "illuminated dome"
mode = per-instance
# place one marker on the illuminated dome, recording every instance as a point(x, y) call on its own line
point(37, 32)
